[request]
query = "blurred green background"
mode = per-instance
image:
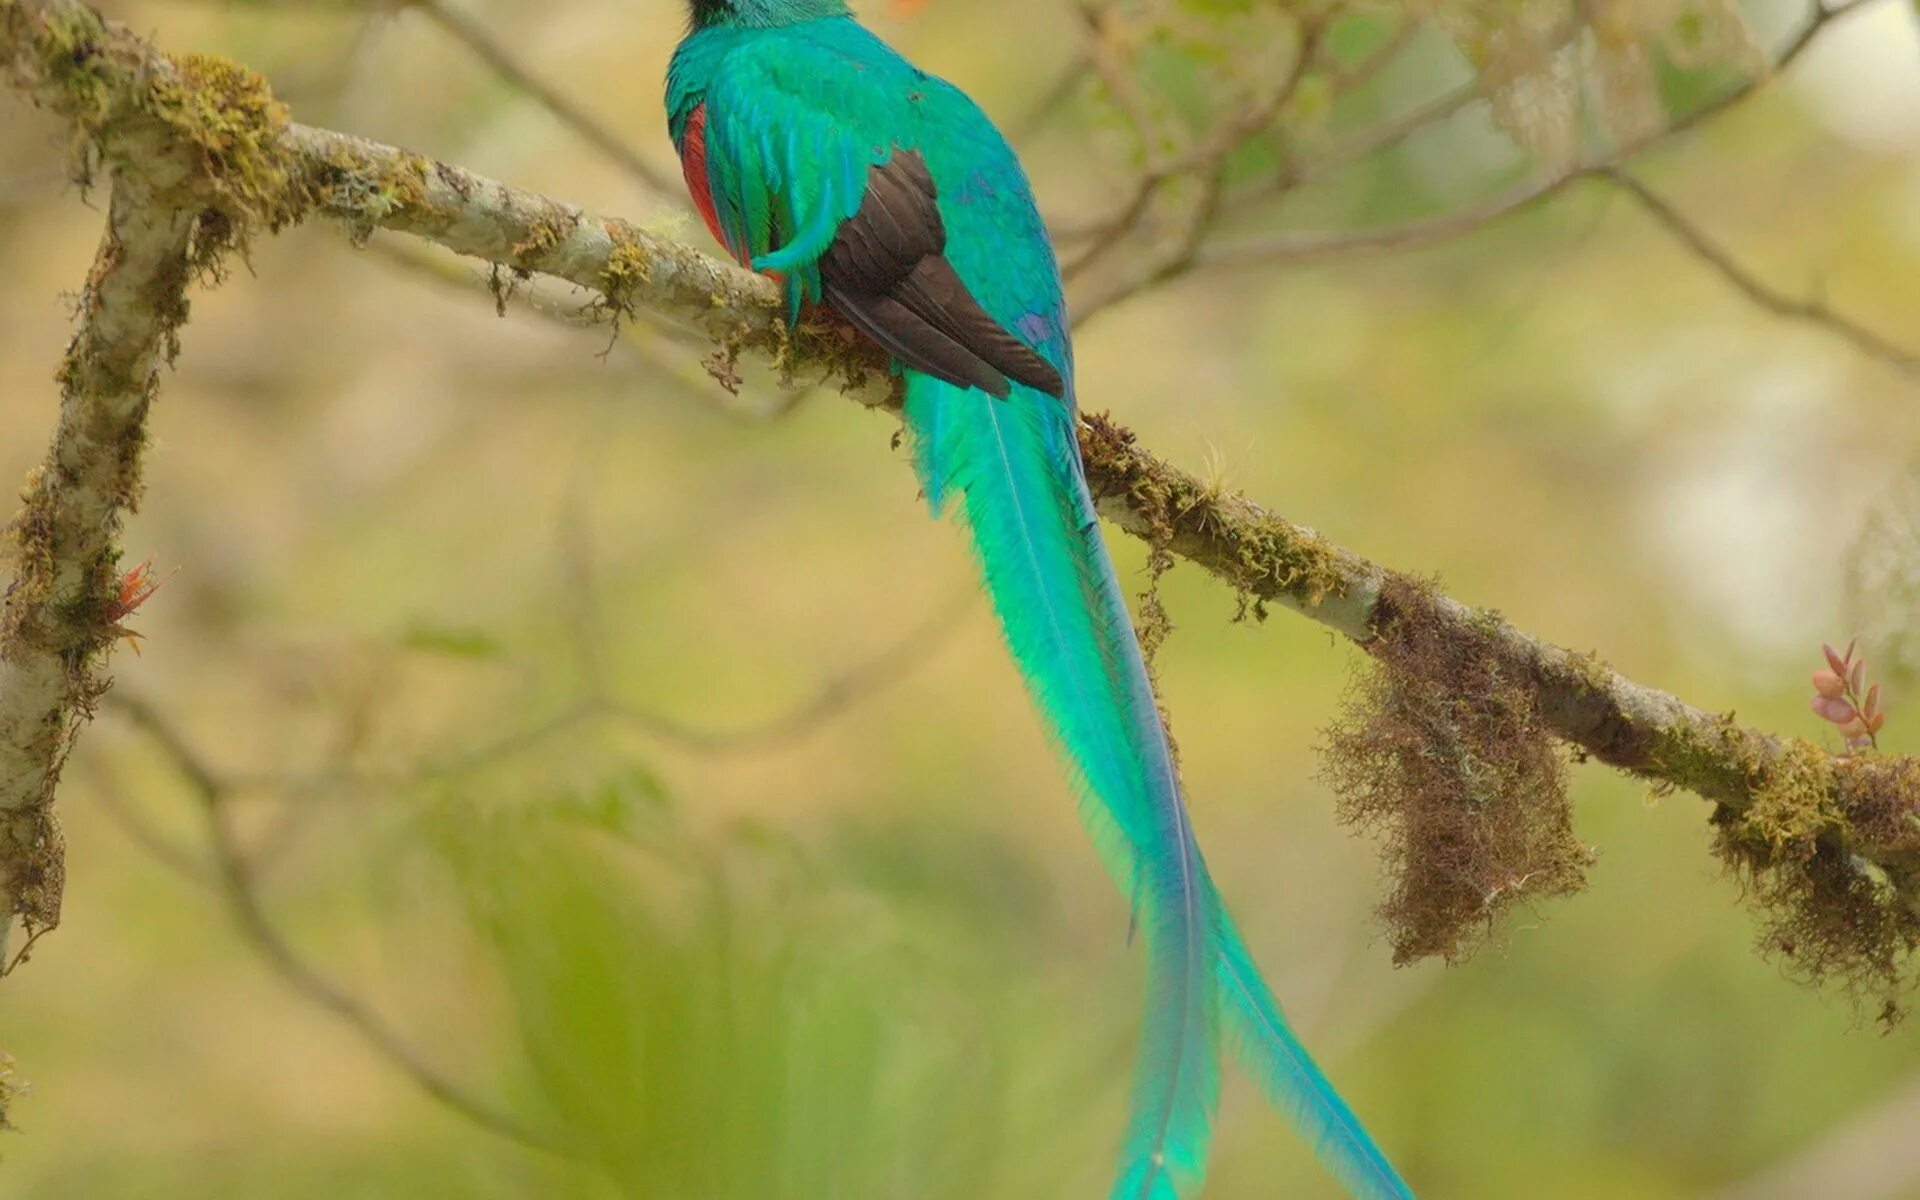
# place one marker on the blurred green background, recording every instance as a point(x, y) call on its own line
point(742, 936)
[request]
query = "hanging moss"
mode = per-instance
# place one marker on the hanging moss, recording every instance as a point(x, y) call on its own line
point(1445, 757)
point(1832, 916)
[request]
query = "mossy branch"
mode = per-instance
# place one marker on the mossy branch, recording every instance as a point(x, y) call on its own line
point(1833, 840)
point(59, 614)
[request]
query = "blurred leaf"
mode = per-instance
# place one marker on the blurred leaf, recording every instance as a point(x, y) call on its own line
point(454, 643)
point(714, 1023)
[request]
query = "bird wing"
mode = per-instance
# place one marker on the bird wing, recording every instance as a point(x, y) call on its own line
point(811, 174)
point(887, 271)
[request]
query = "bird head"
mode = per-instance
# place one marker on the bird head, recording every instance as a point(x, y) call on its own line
point(763, 14)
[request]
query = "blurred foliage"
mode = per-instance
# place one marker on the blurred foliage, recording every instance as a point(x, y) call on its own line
point(872, 955)
point(770, 1033)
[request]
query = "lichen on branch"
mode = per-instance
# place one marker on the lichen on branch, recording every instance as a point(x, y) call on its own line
point(63, 550)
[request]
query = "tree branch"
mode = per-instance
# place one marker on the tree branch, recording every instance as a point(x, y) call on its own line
point(1295, 247)
point(1791, 796)
point(232, 877)
point(58, 617)
point(1813, 312)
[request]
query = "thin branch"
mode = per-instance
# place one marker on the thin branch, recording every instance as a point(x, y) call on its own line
point(141, 831)
point(839, 694)
point(1301, 247)
point(1352, 78)
point(233, 879)
point(860, 682)
point(471, 34)
point(1207, 161)
point(1813, 312)
point(1051, 100)
point(502, 61)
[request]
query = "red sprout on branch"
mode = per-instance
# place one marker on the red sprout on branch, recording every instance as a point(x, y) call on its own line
point(1845, 699)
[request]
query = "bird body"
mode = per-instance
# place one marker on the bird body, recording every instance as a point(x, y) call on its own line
point(819, 155)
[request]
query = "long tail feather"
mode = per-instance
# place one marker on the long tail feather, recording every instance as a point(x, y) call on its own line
point(1267, 1047)
point(1016, 465)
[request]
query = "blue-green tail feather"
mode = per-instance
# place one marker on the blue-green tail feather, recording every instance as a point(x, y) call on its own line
point(1267, 1047)
point(1015, 465)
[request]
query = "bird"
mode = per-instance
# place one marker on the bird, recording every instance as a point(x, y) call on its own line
point(863, 185)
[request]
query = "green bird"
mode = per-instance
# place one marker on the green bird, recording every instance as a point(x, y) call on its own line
point(820, 156)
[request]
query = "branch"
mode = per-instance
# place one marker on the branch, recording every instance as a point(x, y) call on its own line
point(473, 36)
point(1295, 247)
point(1782, 804)
point(1811, 311)
point(233, 879)
point(58, 617)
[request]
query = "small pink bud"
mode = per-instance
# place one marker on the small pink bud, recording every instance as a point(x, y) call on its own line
point(1855, 728)
point(1859, 743)
point(1857, 676)
point(1851, 643)
point(1829, 684)
point(1837, 711)
point(1876, 722)
point(1834, 660)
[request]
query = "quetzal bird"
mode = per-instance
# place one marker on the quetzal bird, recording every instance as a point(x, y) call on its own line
point(820, 156)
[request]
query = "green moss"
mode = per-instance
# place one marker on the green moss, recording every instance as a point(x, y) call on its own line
point(29, 552)
point(1832, 915)
point(69, 48)
point(1301, 565)
point(629, 266)
point(364, 191)
point(228, 115)
point(1794, 801)
point(1593, 672)
point(1715, 758)
point(541, 240)
point(1266, 557)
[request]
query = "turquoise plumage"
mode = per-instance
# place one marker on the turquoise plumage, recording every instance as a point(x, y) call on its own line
point(818, 154)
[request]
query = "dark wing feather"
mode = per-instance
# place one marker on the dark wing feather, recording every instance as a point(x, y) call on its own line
point(886, 271)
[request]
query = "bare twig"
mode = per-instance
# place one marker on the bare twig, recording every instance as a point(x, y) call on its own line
point(862, 681)
point(1207, 161)
point(1051, 100)
point(1813, 312)
point(471, 34)
point(233, 878)
point(503, 62)
point(1299, 247)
